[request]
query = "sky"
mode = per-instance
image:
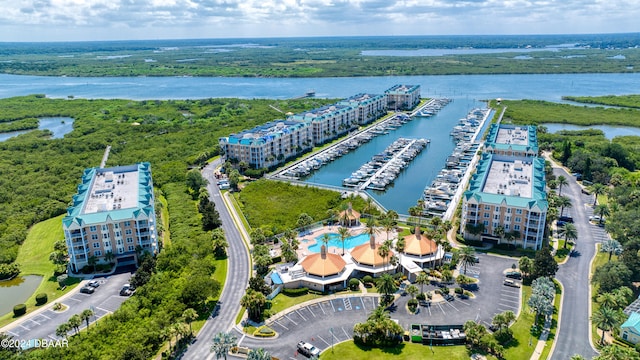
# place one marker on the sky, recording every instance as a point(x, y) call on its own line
point(85, 20)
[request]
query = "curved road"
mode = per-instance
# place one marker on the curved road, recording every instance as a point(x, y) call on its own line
point(223, 318)
point(573, 335)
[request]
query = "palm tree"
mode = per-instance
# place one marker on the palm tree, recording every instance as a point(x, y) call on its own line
point(384, 251)
point(86, 315)
point(561, 181)
point(436, 222)
point(189, 315)
point(416, 211)
point(258, 354)
point(393, 215)
point(563, 202)
point(63, 330)
point(612, 247)
point(92, 261)
point(569, 232)
point(467, 257)
point(500, 232)
point(253, 301)
point(344, 234)
point(387, 225)
point(108, 256)
point(325, 240)
point(222, 343)
point(597, 189)
point(75, 321)
point(608, 300)
point(386, 285)
point(413, 291)
point(577, 357)
point(605, 319)
point(602, 210)
point(422, 279)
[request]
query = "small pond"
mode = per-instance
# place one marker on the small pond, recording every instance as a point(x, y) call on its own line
point(17, 291)
point(609, 131)
point(59, 126)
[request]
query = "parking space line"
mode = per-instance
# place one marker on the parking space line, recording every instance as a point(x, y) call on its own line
point(373, 301)
point(309, 308)
point(319, 337)
point(278, 323)
point(511, 295)
point(37, 323)
point(507, 305)
point(464, 302)
point(74, 299)
point(45, 316)
point(298, 312)
point(429, 308)
point(345, 332)
point(24, 327)
point(362, 301)
point(321, 308)
point(334, 308)
point(105, 310)
point(440, 306)
point(287, 316)
point(12, 333)
point(448, 303)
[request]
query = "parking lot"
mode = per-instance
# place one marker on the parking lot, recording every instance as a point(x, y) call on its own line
point(105, 300)
point(330, 321)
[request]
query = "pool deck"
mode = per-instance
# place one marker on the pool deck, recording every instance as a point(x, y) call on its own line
point(310, 238)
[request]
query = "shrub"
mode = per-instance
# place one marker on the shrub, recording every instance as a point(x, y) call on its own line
point(367, 279)
point(295, 292)
point(8, 271)
point(413, 305)
point(421, 296)
point(354, 284)
point(468, 293)
point(458, 290)
point(19, 310)
point(430, 295)
point(57, 306)
point(41, 299)
point(264, 331)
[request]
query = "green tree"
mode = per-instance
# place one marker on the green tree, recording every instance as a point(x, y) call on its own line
point(467, 257)
point(499, 232)
point(561, 181)
point(344, 233)
point(413, 291)
point(258, 354)
point(597, 189)
point(222, 343)
point(219, 242)
point(606, 319)
point(86, 315)
point(525, 265)
point(568, 232)
point(189, 315)
point(617, 352)
point(92, 261)
point(422, 279)
point(63, 330)
point(195, 182)
point(386, 285)
point(387, 224)
point(304, 220)
point(75, 321)
point(602, 210)
point(563, 202)
point(544, 264)
point(611, 276)
point(254, 302)
point(608, 300)
point(612, 247)
point(384, 252)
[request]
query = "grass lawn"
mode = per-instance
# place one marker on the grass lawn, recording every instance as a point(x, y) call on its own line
point(33, 258)
point(562, 253)
point(407, 350)
point(519, 347)
point(282, 302)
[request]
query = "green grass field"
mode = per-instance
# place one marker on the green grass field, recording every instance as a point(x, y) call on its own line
point(349, 350)
point(33, 258)
point(519, 347)
point(282, 302)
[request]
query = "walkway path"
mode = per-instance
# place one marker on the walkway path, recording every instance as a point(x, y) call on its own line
point(223, 317)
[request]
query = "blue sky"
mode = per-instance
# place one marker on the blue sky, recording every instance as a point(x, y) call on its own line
point(77, 20)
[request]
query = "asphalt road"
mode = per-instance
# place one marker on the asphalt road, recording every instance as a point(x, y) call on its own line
point(104, 301)
point(223, 318)
point(573, 334)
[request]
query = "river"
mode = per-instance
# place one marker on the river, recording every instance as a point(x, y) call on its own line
point(466, 90)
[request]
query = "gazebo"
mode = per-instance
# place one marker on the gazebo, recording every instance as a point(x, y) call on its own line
point(323, 264)
point(367, 258)
point(349, 217)
point(419, 244)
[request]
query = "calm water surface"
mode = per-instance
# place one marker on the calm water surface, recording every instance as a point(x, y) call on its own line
point(609, 131)
point(17, 291)
point(59, 126)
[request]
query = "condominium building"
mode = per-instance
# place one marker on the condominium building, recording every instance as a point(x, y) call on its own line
point(403, 97)
point(328, 122)
point(369, 107)
point(507, 192)
point(112, 217)
point(268, 145)
point(512, 140)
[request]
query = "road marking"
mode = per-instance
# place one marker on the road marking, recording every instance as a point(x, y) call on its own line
point(334, 309)
point(24, 327)
point(373, 301)
point(319, 337)
point(12, 333)
point(362, 301)
point(74, 299)
point(464, 302)
point(507, 305)
point(322, 310)
point(278, 323)
point(448, 303)
point(287, 316)
point(105, 310)
point(298, 312)
point(345, 332)
point(309, 308)
point(429, 308)
point(45, 316)
point(242, 338)
point(440, 306)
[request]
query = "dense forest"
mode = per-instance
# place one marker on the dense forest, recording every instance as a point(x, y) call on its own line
point(39, 175)
point(325, 56)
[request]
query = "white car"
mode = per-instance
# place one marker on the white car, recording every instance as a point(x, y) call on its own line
point(307, 349)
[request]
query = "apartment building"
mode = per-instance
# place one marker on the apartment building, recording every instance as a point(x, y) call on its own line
point(403, 97)
point(512, 140)
point(112, 216)
point(268, 145)
point(369, 107)
point(328, 122)
point(507, 192)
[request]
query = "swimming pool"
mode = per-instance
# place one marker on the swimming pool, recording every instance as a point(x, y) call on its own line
point(334, 240)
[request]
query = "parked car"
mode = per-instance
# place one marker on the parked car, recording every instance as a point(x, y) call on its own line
point(595, 218)
point(127, 290)
point(93, 283)
point(514, 275)
point(509, 282)
point(585, 191)
point(568, 219)
point(307, 349)
point(87, 290)
point(448, 297)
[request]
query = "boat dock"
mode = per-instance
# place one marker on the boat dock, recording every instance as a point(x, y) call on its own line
point(430, 108)
point(384, 167)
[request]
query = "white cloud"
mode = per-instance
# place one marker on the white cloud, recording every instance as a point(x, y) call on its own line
point(43, 20)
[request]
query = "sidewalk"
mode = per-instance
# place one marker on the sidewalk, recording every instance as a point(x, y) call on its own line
point(542, 340)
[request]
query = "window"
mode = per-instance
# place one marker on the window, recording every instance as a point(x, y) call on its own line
point(96, 245)
point(496, 217)
point(97, 253)
point(508, 210)
point(506, 226)
point(119, 241)
point(127, 223)
point(118, 233)
point(129, 240)
point(105, 235)
point(519, 211)
point(516, 227)
point(518, 219)
point(487, 207)
point(107, 244)
point(94, 236)
point(131, 248)
point(120, 250)
point(105, 227)
point(507, 219)
point(93, 228)
point(486, 223)
point(486, 215)
point(116, 226)
point(128, 232)
point(495, 225)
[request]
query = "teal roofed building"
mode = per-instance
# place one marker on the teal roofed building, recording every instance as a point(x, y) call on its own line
point(369, 107)
point(112, 217)
point(328, 122)
point(630, 330)
point(512, 140)
point(506, 192)
point(403, 97)
point(268, 145)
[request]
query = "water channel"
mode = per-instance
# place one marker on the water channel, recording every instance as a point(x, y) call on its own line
point(17, 291)
point(609, 131)
point(59, 126)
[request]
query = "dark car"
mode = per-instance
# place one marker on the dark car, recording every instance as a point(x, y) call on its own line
point(567, 219)
point(87, 290)
point(514, 275)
